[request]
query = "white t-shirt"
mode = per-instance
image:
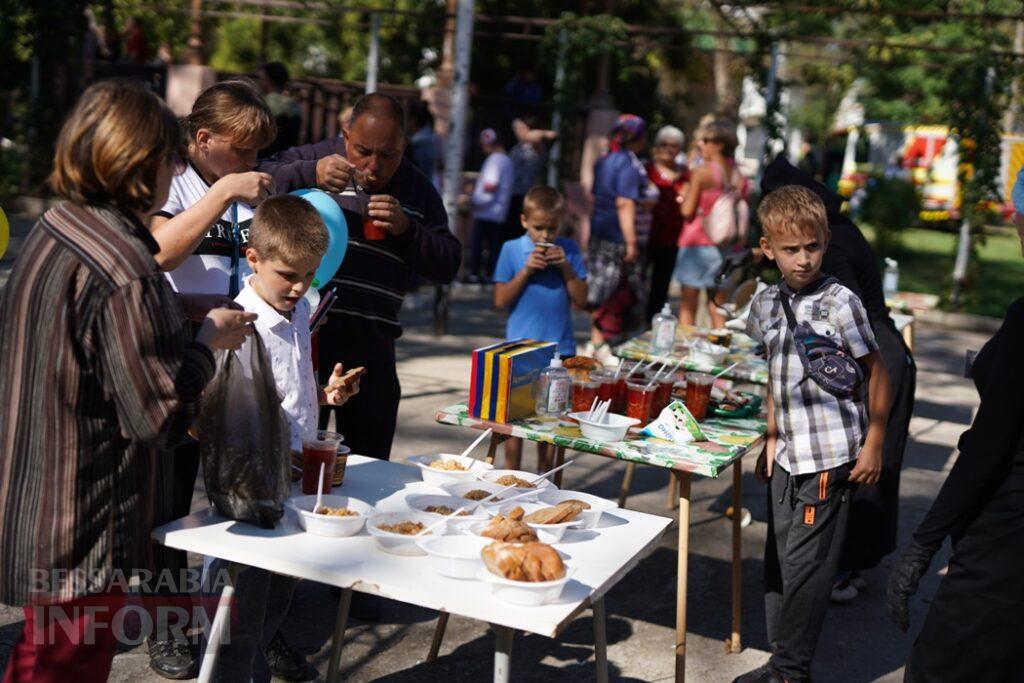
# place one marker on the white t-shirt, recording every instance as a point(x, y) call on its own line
point(208, 269)
point(493, 205)
point(289, 347)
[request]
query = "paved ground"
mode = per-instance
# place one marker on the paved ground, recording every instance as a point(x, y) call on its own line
point(858, 644)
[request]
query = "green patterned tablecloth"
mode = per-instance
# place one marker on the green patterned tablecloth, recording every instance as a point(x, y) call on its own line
point(752, 368)
point(729, 439)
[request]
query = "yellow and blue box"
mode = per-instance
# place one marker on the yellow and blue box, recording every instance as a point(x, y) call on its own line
point(503, 376)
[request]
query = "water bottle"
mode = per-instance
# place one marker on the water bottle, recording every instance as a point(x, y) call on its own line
point(663, 331)
point(553, 388)
point(891, 278)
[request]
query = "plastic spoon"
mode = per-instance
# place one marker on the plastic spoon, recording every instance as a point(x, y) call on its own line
point(476, 443)
point(590, 412)
point(319, 491)
point(719, 374)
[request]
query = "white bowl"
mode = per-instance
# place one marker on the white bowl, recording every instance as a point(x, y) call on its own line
point(590, 517)
point(704, 352)
point(546, 533)
point(329, 525)
point(474, 513)
point(457, 557)
point(436, 477)
point(612, 427)
point(401, 544)
point(525, 593)
point(492, 476)
point(461, 489)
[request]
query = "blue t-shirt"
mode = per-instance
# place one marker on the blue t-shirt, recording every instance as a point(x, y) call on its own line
point(543, 309)
point(619, 174)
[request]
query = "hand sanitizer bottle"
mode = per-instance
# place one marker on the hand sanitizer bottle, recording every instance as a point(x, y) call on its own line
point(553, 387)
point(663, 331)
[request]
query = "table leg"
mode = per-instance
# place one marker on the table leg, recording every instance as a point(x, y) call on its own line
point(735, 643)
point(673, 493)
point(600, 642)
point(627, 481)
point(559, 459)
point(221, 619)
point(492, 450)
point(439, 629)
point(502, 653)
point(339, 635)
point(681, 579)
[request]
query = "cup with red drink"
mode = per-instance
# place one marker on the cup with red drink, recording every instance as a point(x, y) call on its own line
point(698, 393)
point(638, 400)
point(606, 386)
point(584, 393)
point(319, 447)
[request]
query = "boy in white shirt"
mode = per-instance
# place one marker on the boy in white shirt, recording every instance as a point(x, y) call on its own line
point(286, 243)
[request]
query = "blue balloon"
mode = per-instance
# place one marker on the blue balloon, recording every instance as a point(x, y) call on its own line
point(337, 233)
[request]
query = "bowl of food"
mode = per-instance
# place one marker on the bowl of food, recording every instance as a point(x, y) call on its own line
point(395, 532)
point(457, 557)
point(442, 506)
point(592, 507)
point(478, 491)
point(520, 480)
point(549, 522)
point(443, 468)
point(611, 427)
point(338, 516)
point(528, 574)
point(506, 527)
point(706, 353)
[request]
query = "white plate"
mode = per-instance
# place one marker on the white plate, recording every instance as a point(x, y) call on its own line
point(436, 477)
point(329, 525)
point(491, 477)
point(457, 557)
point(525, 593)
point(546, 533)
point(590, 517)
point(401, 544)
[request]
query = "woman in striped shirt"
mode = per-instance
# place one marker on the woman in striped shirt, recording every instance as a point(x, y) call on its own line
point(99, 376)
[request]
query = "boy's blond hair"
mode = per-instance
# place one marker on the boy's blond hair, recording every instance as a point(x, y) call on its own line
point(792, 209)
point(543, 198)
point(288, 228)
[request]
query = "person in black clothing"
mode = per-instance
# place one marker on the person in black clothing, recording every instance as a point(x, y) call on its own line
point(412, 236)
point(871, 533)
point(972, 631)
point(286, 109)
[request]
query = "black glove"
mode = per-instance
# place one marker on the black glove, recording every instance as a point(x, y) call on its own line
point(907, 573)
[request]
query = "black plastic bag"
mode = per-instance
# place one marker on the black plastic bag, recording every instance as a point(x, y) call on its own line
point(244, 438)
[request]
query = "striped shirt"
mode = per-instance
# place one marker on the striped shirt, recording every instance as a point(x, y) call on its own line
point(816, 430)
point(98, 375)
point(375, 275)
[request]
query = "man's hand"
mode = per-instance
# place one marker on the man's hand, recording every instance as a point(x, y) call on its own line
point(342, 385)
point(386, 212)
point(196, 306)
point(868, 467)
point(250, 187)
point(631, 253)
point(224, 328)
point(763, 468)
point(536, 262)
point(333, 173)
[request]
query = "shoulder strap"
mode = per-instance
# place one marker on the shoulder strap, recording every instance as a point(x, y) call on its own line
point(790, 318)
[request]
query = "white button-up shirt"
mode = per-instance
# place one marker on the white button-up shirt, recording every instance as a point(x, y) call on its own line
point(289, 348)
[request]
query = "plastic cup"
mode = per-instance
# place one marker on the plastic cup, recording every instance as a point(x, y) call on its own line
point(584, 392)
point(371, 231)
point(638, 401)
point(605, 384)
point(319, 448)
point(662, 394)
point(339, 465)
point(698, 393)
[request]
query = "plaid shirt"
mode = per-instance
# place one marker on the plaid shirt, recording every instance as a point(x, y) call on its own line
point(816, 430)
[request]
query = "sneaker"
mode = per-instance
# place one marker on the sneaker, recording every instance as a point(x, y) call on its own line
point(858, 581)
point(761, 674)
point(286, 663)
point(173, 659)
point(843, 591)
point(745, 517)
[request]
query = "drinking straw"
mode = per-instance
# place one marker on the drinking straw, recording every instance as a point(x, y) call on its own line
point(476, 443)
point(727, 369)
point(590, 412)
point(619, 368)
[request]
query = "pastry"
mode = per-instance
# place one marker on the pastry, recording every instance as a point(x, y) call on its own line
point(580, 367)
point(523, 562)
point(509, 528)
point(566, 511)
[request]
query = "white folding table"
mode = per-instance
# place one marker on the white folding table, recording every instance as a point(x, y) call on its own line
point(601, 558)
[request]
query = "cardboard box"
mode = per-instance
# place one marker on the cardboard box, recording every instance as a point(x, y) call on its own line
point(502, 378)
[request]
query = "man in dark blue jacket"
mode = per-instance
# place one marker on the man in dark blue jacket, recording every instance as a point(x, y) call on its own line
point(397, 227)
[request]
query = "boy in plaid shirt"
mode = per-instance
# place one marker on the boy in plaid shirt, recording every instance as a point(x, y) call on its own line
point(819, 444)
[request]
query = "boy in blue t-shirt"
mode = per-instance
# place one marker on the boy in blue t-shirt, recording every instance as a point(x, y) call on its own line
point(538, 276)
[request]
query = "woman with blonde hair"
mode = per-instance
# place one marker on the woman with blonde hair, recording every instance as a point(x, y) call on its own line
point(699, 259)
point(99, 376)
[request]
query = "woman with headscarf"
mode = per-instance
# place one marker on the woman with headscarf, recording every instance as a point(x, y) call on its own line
point(615, 269)
point(973, 628)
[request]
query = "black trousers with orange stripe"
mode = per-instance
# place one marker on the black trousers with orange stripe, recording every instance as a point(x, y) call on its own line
point(807, 516)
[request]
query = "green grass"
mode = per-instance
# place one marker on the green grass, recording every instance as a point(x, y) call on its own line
point(926, 265)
